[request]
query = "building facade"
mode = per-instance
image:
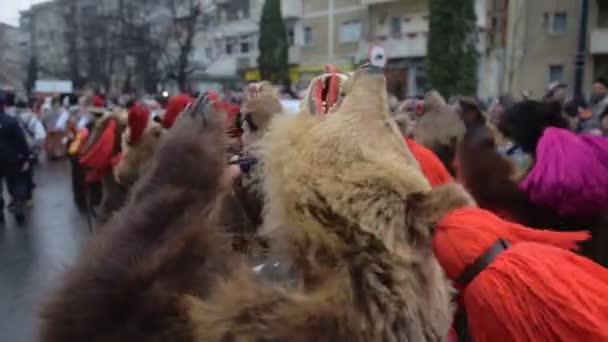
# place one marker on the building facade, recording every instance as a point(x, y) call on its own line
point(44, 26)
point(331, 32)
point(12, 49)
point(542, 43)
point(229, 44)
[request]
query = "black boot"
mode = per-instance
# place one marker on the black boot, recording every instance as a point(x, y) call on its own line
point(19, 213)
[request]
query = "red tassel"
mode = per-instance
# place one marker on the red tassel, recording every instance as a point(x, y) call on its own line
point(137, 121)
point(537, 290)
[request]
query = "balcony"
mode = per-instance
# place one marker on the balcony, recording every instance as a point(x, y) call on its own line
point(410, 45)
point(291, 8)
point(599, 41)
point(375, 2)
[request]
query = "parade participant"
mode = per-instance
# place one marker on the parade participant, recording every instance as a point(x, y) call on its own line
point(519, 284)
point(14, 155)
point(564, 187)
point(599, 105)
point(56, 125)
point(440, 128)
point(35, 135)
point(139, 143)
point(340, 206)
point(100, 155)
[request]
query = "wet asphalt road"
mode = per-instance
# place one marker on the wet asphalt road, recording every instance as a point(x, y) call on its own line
point(31, 257)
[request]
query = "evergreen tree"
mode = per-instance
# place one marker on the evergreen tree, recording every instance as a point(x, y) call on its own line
point(32, 74)
point(452, 55)
point(273, 61)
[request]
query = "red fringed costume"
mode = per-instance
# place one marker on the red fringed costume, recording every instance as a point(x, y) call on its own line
point(99, 157)
point(519, 284)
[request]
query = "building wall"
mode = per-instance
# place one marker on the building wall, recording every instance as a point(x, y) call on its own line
point(325, 18)
point(12, 66)
point(44, 25)
point(532, 48)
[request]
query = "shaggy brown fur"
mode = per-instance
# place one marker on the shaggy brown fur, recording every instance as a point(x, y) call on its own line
point(440, 128)
point(164, 270)
point(137, 156)
point(491, 178)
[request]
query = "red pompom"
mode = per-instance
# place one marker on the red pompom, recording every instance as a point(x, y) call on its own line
point(98, 101)
point(175, 106)
point(139, 117)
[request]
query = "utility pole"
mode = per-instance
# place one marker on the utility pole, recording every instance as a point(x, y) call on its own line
point(331, 6)
point(581, 54)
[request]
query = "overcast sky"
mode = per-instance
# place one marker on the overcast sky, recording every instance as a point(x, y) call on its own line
point(9, 10)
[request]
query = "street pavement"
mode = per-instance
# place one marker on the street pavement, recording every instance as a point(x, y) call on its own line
point(32, 256)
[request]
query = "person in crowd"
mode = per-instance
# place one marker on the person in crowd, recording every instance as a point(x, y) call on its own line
point(14, 153)
point(56, 122)
point(556, 92)
point(599, 105)
point(577, 113)
point(35, 135)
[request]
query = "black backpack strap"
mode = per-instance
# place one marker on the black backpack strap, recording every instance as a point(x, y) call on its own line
point(461, 321)
point(482, 262)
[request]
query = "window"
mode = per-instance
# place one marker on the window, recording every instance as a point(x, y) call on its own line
point(236, 9)
point(307, 36)
point(395, 26)
point(350, 31)
point(229, 48)
point(291, 35)
point(559, 23)
point(244, 47)
point(556, 72)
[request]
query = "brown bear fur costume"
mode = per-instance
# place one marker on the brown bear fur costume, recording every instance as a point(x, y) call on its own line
point(163, 270)
point(440, 128)
point(138, 154)
point(113, 193)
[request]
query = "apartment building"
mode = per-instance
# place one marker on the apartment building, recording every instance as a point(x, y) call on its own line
point(44, 27)
point(542, 43)
point(331, 32)
point(599, 38)
point(401, 27)
point(229, 43)
point(12, 49)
